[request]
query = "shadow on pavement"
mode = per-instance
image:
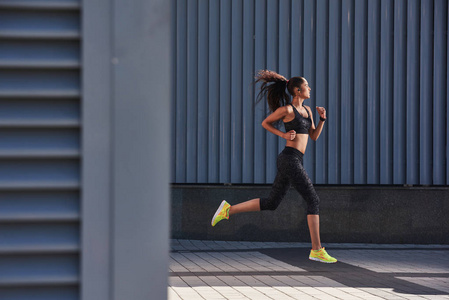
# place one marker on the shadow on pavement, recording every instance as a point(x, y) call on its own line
point(353, 276)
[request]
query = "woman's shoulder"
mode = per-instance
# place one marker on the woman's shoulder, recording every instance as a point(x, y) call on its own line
point(287, 108)
point(284, 110)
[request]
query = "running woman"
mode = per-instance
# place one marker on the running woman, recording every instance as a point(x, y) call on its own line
point(299, 125)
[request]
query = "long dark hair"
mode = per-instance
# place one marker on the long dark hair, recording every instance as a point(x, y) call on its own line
point(273, 87)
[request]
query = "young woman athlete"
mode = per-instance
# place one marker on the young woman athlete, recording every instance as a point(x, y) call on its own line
point(299, 125)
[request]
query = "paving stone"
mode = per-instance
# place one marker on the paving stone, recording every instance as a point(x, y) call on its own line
point(172, 295)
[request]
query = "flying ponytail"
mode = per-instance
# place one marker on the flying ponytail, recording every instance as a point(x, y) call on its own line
point(273, 87)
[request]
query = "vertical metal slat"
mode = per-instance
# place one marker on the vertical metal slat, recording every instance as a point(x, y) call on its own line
point(426, 93)
point(297, 19)
point(321, 91)
point(173, 127)
point(181, 88)
point(248, 92)
point(272, 64)
point(236, 91)
point(399, 98)
point(347, 86)
point(225, 91)
point(192, 91)
point(260, 112)
point(439, 89)
point(203, 84)
point(373, 138)
point(214, 93)
point(413, 29)
point(386, 93)
point(334, 92)
point(360, 95)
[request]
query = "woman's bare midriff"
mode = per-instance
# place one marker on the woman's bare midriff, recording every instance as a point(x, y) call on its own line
point(299, 143)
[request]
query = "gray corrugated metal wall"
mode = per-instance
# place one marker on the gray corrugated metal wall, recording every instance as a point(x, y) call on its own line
point(39, 149)
point(379, 68)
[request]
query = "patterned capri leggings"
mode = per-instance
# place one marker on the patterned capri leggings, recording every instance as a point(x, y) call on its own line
point(290, 171)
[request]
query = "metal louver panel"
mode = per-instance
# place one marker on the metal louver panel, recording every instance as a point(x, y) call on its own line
point(379, 68)
point(39, 149)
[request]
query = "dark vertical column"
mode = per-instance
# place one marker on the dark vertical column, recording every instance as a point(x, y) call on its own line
point(360, 95)
point(214, 92)
point(260, 54)
point(321, 89)
point(399, 91)
point(386, 93)
point(333, 111)
point(271, 45)
point(248, 92)
point(297, 32)
point(181, 88)
point(373, 86)
point(426, 93)
point(347, 92)
point(192, 92)
point(203, 87)
point(439, 92)
point(236, 91)
point(173, 82)
point(413, 87)
point(225, 91)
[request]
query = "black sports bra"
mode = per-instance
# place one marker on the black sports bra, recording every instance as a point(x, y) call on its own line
point(299, 123)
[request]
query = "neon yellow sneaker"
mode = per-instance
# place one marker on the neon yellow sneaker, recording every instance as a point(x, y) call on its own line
point(321, 256)
point(221, 213)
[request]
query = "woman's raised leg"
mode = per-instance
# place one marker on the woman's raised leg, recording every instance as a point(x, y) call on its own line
point(250, 205)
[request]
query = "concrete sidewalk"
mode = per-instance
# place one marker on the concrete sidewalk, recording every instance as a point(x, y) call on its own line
point(257, 270)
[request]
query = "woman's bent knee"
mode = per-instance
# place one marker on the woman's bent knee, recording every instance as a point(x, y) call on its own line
point(313, 206)
point(313, 210)
point(268, 204)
